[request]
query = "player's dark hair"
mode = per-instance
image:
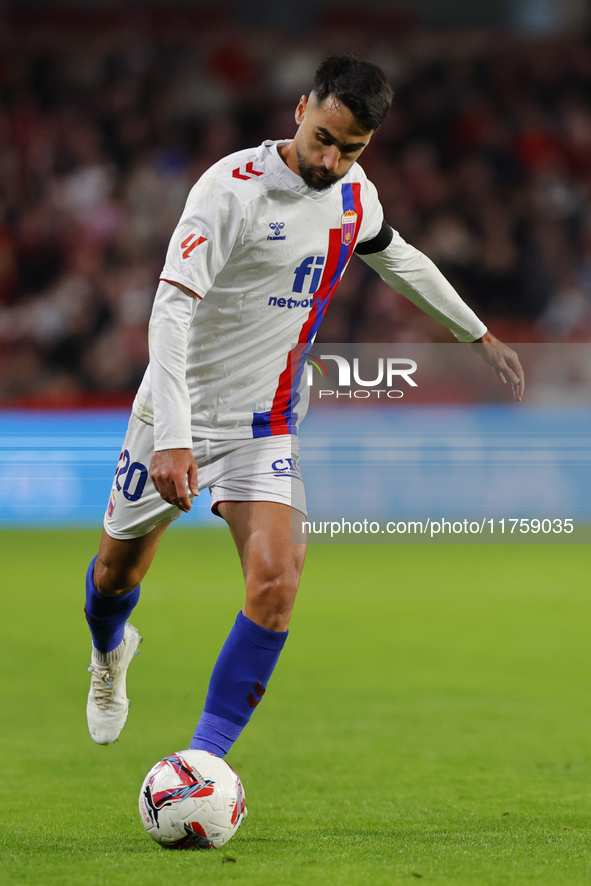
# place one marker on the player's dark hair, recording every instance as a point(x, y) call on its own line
point(361, 86)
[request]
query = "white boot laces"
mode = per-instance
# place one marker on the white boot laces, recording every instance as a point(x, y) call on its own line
point(103, 690)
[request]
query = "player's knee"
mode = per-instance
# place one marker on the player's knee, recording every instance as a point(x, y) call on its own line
point(271, 597)
point(112, 580)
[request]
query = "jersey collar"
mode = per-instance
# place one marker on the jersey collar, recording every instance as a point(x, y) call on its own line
point(289, 179)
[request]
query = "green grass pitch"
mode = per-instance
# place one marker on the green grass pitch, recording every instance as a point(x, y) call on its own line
point(430, 719)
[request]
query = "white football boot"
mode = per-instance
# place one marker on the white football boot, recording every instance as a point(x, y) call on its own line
point(108, 703)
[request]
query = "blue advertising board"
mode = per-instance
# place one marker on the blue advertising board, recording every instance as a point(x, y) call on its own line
point(454, 461)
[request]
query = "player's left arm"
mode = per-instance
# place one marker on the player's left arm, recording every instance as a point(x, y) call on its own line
point(414, 275)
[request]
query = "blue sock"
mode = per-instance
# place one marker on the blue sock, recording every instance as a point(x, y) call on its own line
point(238, 683)
point(106, 616)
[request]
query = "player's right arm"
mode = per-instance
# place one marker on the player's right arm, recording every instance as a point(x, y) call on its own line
point(174, 474)
point(198, 249)
point(173, 468)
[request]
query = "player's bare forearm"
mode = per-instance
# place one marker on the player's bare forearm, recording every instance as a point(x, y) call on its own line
point(504, 361)
point(174, 474)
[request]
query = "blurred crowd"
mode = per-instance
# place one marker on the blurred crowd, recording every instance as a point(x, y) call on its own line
point(484, 163)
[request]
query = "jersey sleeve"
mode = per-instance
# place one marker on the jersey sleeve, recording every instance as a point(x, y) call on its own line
point(202, 242)
point(414, 275)
point(172, 315)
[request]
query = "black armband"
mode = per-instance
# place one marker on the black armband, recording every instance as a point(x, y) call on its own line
point(377, 243)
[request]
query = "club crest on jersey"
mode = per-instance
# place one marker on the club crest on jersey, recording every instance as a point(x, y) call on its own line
point(348, 222)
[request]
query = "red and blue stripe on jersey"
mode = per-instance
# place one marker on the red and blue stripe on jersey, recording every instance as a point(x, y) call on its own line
point(282, 418)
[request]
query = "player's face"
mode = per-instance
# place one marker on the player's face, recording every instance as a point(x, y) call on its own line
point(328, 141)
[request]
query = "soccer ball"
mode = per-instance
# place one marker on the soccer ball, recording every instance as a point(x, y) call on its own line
point(192, 800)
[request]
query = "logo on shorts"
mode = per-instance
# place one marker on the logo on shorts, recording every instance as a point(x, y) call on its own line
point(286, 467)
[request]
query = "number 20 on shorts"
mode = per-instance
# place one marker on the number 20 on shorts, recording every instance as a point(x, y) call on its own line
point(135, 475)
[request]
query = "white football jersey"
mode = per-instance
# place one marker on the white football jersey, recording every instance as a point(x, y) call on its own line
point(262, 254)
